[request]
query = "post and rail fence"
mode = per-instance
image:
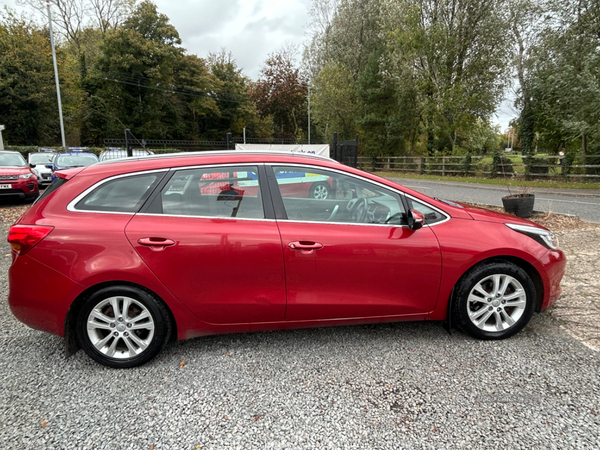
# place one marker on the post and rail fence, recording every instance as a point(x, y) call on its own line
point(582, 168)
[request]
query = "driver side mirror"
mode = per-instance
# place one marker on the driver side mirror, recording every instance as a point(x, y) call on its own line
point(32, 166)
point(416, 220)
point(48, 166)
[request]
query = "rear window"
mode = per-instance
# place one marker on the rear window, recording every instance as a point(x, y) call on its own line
point(126, 194)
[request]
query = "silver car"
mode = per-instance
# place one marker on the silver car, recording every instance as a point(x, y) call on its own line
point(40, 159)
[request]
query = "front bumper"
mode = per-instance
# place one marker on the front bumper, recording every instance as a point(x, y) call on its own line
point(554, 264)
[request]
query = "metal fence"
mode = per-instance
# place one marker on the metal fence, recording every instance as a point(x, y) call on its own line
point(582, 167)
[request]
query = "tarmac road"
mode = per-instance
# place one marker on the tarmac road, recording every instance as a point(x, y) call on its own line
point(584, 203)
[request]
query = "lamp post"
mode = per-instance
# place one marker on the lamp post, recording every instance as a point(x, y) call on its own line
point(309, 112)
point(60, 114)
point(2, 128)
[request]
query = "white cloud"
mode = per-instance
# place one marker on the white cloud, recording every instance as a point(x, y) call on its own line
point(250, 29)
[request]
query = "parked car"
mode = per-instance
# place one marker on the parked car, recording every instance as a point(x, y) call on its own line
point(39, 160)
point(130, 254)
point(120, 153)
point(16, 177)
point(70, 160)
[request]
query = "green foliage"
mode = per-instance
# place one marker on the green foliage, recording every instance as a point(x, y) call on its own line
point(28, 105)
point(235, 108)
point(334, 102)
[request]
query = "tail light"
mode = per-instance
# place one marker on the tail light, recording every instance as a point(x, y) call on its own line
point(23, 238)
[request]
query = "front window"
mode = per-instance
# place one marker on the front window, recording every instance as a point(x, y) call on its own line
point(317, 195)
point(214, 192)
point(12, 160)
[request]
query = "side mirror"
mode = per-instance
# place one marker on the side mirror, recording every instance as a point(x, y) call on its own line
point(32, 166)
point(48, 166)
point(416, 220)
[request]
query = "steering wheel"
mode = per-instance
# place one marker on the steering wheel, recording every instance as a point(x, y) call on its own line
point(358, 210)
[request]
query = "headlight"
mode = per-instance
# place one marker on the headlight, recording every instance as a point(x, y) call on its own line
point(544, 237)
point(26, 175)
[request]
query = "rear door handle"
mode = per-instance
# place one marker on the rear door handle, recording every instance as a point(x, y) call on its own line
point(305, 246)
point(155, 243)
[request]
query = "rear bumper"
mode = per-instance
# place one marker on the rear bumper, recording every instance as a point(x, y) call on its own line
point(42, 304)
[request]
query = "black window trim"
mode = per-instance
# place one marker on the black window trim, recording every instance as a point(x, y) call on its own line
point(152, 205)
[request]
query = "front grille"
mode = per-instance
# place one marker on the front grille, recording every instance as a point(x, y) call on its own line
point(46, 176)
point(9, 177)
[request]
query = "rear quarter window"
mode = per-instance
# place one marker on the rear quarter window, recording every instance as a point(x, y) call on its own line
point(124, 195)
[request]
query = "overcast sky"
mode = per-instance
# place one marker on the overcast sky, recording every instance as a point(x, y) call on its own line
point(250, 29)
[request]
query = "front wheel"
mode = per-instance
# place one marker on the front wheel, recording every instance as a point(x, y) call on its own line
point(123, 326)
point(494, 300)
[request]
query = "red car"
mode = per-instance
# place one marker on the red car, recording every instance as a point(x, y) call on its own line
point(16, 177)
point(132, 253)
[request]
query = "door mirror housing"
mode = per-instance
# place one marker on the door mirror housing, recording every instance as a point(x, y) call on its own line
point(416, 220)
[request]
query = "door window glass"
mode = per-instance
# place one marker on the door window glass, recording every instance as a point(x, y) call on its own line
point(317, 195)
point(214, 192)
point(125, 194)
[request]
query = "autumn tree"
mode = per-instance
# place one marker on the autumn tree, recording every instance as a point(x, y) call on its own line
point(281, 93)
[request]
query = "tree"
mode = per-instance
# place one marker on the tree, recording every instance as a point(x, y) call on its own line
point(236, 109)
point(28, 103)
point(281, 92)
point(334, 102)
point(458, 53)
point(566, 74)
point(135, 75)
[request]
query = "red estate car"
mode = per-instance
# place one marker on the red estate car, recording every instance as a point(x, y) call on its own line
point(131, 253)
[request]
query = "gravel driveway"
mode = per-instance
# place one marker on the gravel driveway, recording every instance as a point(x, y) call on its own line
point(407, 385)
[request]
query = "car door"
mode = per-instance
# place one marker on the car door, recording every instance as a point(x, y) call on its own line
point(351, 254)
point(207, 238)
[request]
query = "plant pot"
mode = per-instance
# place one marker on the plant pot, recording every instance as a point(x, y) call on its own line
point(519, 205)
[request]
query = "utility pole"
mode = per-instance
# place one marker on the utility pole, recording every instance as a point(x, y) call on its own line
point(60, 114)
point(1, 141)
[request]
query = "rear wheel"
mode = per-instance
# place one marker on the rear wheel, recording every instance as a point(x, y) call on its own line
point(123, 326)
point(320, 191)
point(494, 300)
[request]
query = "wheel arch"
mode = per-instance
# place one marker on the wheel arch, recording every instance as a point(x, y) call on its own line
point(70, 326)
point(526, 266)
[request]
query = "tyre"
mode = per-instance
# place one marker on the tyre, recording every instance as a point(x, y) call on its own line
point(123, 326)
point(320, 191)
point(494, 300)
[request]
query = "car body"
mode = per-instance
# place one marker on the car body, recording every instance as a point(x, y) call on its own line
point(130, 253)
point(119, 153)
point(16, 177)
point(69, 160)
point(38, 161)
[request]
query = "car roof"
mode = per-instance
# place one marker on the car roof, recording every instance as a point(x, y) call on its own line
point(226, 153)
point(76, 154)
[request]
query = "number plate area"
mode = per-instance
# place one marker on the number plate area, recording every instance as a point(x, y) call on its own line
point(5, 186)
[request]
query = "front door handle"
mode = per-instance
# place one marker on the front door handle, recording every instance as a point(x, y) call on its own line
point(155, 243)
point(305, 246)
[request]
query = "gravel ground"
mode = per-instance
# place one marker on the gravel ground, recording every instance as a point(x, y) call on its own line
point(407, 385)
